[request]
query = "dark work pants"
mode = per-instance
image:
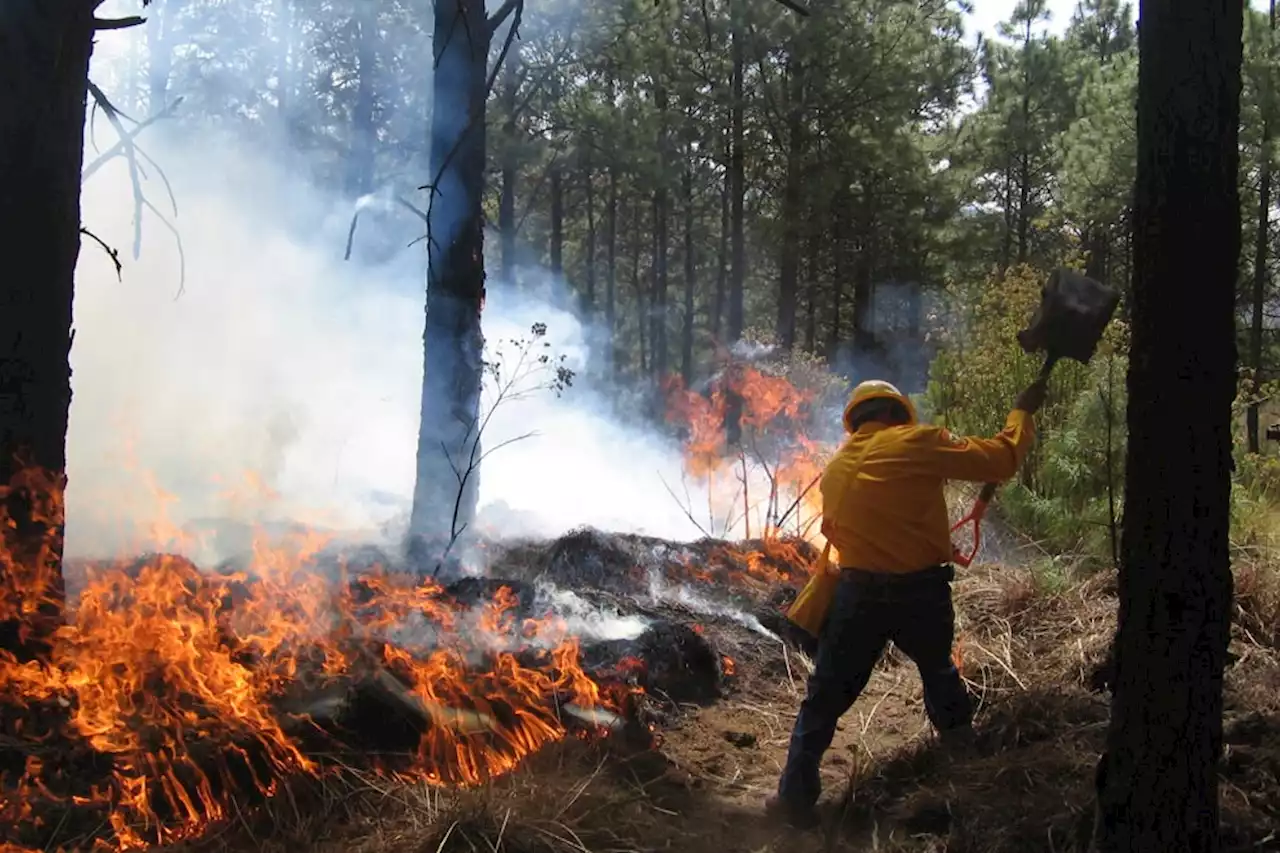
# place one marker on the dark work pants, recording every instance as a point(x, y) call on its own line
point(915, 612)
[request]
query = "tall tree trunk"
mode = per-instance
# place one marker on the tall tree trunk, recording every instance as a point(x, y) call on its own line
point(44, 62)
point(1261, 245)
point(661, 241)
point(285, 75)
point(1157, 780)
point(1097, 244)
point(453, 344)
point(510, 167)
point(722, 252)
point(789, 256)
point(839, 264)
point(690, 275)
point(1024, 154)
point(737, 193)
point(359, 171)
point(813, 267)
point(1006, 244)
point(863, 278)
point(611, 283)
point(589, 273)
point(642, 304)
point(557, 219)
point(160, 26)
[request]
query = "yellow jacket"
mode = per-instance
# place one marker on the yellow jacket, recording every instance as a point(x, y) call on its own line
point(886, 511)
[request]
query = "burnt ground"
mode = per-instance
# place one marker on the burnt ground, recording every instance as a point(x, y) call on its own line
point(1034, 659)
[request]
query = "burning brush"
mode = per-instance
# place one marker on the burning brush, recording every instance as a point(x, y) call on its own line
point(170, 692)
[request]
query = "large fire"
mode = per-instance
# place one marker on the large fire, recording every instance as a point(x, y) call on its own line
point(184, 686)
point(162, 694)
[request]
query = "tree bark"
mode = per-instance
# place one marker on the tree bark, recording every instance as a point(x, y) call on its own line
point(789, 255)
point(1157, 781)
point(737, 193)
point(447, 487)
point(642, 306)
point(1261, 245)
point(160, 52)
point(359, 171)
point(589, 264)
point(813, 265)
point(557, 219)
point(722, 252)
point(611, 283)
point(510, 167)
point(690, 276)
point(661, 238)
point(45, 47)
point(839, 263)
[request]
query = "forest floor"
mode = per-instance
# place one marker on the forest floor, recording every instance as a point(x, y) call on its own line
point(1034, 657)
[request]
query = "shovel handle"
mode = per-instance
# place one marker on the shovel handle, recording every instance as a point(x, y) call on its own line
point(975, 517)
point(988, 492)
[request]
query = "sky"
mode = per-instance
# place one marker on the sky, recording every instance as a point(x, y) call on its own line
point(987, 14)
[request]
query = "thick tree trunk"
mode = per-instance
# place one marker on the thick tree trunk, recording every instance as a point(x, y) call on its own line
point(1260, 251)
point(737, 194)
point(510, 167)
point(789, 255)
point(690, 276)
point(1157, 780)
point(453, 344)
point(44, 62)
point(359, 171)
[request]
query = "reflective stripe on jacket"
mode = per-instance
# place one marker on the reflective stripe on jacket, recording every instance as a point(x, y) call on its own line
point(890, 514)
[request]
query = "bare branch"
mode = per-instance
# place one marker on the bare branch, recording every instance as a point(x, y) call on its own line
point(688, 513)
point(507, 8)
point(113, 254)
point(118, 148)
point(140, 201)
point(504, 11)
point(795, 7)
point(104, 24)
point(411, 207)
point(355, 219)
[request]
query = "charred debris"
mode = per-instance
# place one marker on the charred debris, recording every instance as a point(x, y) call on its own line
point(656, 628)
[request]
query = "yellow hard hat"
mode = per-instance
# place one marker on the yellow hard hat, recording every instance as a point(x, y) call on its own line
point(877, 389)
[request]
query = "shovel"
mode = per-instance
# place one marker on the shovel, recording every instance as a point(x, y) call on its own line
point(1074, 311)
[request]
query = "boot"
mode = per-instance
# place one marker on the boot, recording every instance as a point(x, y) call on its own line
point(959, 743)
point(777, 808)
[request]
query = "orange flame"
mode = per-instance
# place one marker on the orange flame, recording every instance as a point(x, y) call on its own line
point(774, 447)
point(177, 678)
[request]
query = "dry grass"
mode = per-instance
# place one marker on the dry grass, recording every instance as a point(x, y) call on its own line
point(1032, 655)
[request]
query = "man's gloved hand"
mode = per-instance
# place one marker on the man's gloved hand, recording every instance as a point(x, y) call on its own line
point(1032, 398)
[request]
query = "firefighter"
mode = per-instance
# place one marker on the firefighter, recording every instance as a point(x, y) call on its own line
point(885, 514)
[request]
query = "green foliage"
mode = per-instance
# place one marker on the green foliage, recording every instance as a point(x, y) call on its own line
point(1070, 479)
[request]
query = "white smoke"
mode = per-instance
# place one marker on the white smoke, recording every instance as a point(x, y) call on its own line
point(281, 383)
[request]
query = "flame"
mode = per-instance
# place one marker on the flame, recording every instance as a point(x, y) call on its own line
point(772, 477)
point(164, 694)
